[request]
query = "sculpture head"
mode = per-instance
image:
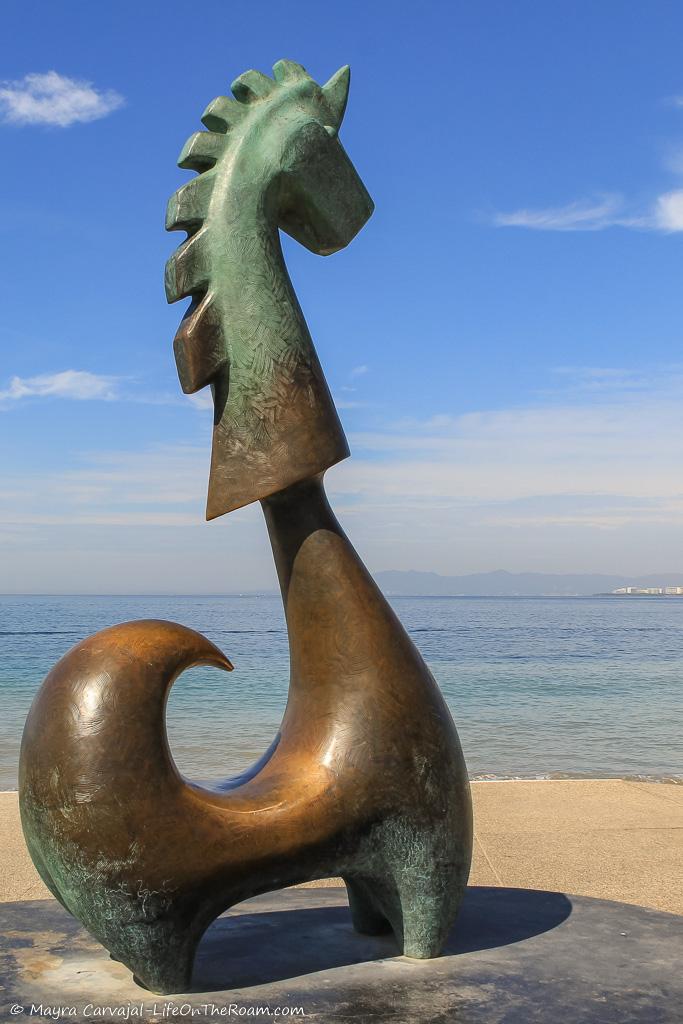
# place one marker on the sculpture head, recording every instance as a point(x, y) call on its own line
point(286, 129)
point(271, 159)
point(271, 155)
point(319, 198)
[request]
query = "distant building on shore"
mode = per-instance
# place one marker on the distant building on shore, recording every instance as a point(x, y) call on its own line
point(651, 591)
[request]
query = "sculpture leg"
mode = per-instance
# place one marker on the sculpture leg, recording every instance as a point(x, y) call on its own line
point(412, 883)
point(414, 910)
point(160, 955)
point(366, 915)
point(429, 892)
point(426, 916)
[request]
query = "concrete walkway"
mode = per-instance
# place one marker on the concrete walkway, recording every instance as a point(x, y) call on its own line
point(606, 838)
point(614, 839)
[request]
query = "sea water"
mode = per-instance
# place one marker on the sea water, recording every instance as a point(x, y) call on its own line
point(538, 687)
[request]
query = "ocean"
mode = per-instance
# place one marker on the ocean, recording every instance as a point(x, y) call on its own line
point(538, 687)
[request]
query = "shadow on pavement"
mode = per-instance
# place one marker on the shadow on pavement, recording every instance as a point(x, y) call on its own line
point(247, 949)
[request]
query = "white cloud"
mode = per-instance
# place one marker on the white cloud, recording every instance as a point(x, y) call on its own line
point(584, 478)
point(348, 403)
point(54, 99)
point(162, 486)
point(665, 214)
point(85, 386)
point(668, 213)
point(601, 377)
point(609, 437)
point(202, 400)
point(351, 403)
point(582, 215)
point(78, 384)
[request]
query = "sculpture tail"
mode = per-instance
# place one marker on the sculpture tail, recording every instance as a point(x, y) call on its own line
point(103, 705)
point(103, 806)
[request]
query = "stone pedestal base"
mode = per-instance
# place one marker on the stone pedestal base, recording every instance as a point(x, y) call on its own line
point(515, 955)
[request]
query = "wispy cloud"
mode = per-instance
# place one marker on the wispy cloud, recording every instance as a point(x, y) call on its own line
point(75, 384)
point(608, 435)
point(582, 478)
point(665, 215)
point(348, 403)
point(54, 99)
point(343, 403)
point(202, 400)
point(602, 447)
point(615, 382)
point(668, 212)
point(82, 385)
point(163, 486)
point(581, 215)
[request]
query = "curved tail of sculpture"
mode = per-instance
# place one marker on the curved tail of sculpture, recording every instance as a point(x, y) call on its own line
point(104, 809)
point(104, 704)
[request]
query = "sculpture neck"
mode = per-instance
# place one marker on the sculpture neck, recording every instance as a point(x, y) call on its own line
point(292, 516)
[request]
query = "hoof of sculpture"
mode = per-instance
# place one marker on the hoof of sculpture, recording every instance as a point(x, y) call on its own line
point(366, 779)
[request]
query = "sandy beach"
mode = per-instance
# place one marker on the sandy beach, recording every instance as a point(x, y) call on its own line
point(610, 838)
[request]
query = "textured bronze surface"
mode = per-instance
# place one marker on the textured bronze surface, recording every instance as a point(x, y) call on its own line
point(270, 159)
point(366, 778)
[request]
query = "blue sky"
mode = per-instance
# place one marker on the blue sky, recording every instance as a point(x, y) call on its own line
point(503, 337)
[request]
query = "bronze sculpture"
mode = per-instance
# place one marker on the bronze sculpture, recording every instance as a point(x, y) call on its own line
point(366, 778)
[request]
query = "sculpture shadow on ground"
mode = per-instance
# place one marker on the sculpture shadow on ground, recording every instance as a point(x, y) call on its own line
point(244, 950)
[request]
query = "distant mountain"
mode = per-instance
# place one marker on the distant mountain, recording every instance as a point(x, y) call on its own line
point(514, 584)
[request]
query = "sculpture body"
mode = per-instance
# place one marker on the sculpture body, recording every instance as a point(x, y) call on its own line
point(366, 778)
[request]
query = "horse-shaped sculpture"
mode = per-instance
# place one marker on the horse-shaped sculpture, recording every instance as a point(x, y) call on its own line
point(366, 779)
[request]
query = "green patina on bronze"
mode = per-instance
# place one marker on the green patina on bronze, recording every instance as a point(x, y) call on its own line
point(271, 159)
point(366, 779)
